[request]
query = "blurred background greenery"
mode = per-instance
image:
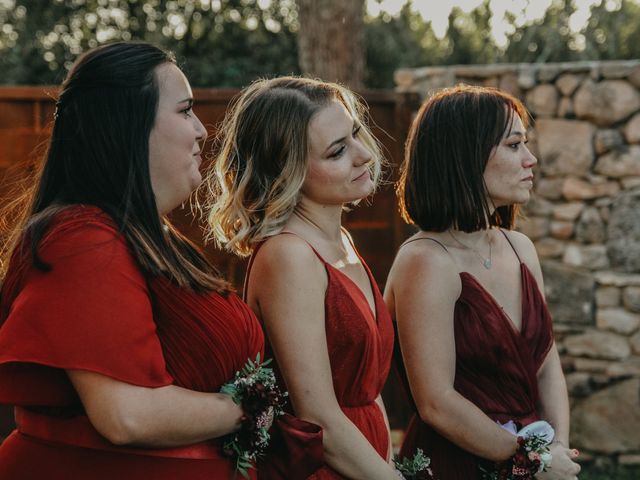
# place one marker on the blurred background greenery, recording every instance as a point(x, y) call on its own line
point(228, 43)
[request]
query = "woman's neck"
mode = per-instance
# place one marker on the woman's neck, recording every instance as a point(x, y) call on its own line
point(471, 238)
point(324, 221)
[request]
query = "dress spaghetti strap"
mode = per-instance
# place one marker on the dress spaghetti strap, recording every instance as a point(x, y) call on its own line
point(512, 247)
point(425, 238)
point(255, 253)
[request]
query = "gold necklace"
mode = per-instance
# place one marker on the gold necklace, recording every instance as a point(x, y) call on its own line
point(486, 261)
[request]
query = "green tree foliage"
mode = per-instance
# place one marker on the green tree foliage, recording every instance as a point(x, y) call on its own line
point(221, 42)
point(231, 42)
point(468, 38)
point(613, 30)
point(548, 39)
point(393, 42)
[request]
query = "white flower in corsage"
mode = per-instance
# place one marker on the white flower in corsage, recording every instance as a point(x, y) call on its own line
point(531, 457)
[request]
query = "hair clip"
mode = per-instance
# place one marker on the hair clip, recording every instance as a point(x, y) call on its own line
point(56, 113)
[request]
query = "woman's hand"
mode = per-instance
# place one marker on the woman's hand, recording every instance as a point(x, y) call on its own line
point(562, 465)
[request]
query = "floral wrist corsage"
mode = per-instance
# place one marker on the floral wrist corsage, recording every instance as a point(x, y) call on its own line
point(254, 388)
point(531, 457)
point(415, 468)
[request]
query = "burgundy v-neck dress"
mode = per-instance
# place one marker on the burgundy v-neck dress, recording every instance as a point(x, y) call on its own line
point(360, 348)
point(96, 310)
point(496, 369)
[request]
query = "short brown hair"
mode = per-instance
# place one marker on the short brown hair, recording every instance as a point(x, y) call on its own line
point(441, 183)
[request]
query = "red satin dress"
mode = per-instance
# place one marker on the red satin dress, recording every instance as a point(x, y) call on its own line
point(360, 345)
point(496, 368)
point(96, 311)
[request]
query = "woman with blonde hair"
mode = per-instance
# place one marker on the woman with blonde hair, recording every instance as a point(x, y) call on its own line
point(294, 152)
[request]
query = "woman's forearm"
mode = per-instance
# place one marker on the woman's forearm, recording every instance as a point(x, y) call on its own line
point(167, 416)
point(380, 403)
point(348, 451)
point(554, 399)
point(464, 424)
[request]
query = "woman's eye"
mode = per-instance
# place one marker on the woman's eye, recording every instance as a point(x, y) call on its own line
point(514, 146)
point(187, 111)
point(338, 153)
point(356, 131)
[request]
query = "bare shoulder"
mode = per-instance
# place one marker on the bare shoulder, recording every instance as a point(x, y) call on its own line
point(523, 245)
point(288, 258)
point(424, 260)
point(526, 251)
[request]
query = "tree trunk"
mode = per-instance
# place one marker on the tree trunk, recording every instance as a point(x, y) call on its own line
point(331, 40)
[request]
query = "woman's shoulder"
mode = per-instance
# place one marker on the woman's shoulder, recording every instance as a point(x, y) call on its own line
point(80, 213)
point(82, 231)
point(425, 247)
point(523, 245)
point(290, 257)
point(526, 251)
point(425, 255)
point(288, 249)
point(80, 218)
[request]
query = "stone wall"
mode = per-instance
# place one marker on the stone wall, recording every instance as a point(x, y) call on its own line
point(584, 218)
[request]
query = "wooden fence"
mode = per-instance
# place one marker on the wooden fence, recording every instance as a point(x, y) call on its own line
point(25, 119)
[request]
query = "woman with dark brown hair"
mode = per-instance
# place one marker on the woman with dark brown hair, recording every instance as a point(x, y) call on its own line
point(116, 334)
point(466, 290)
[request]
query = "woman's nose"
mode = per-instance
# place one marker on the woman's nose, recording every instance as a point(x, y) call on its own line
point(364, 155)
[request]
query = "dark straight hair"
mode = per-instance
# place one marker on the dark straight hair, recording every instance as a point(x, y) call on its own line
point(441, 182)
point(98, 155)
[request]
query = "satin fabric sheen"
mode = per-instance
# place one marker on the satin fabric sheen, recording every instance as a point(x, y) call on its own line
point(96, 311)
point(496, 369)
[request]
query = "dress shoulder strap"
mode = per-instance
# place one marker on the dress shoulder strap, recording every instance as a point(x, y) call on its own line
point(510, 243)
point(255, 253)
point(348, 235)
point(425, 238)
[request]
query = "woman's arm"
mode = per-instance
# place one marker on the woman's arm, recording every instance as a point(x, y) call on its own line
point(168, 416)
point(554, 399)
point(424, 286)
point(554, 408)
point(380, 403)
point(287, 287)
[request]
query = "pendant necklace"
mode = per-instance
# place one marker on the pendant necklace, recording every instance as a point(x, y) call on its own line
point(486, 261)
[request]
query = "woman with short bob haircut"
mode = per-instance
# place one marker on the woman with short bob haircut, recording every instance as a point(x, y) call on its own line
point(115, 331)
point(294, 153)
point(466, 290)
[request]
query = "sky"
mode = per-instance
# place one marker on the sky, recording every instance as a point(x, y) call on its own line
point(437, 11)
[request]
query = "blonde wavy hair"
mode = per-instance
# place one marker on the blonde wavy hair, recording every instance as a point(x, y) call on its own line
point(253, 185)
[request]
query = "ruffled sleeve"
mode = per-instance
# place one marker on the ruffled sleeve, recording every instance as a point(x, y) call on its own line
point(90, 312)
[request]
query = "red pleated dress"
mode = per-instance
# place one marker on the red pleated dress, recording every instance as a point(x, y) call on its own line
point(360, 344)
point(97, 311)
point(496, 368)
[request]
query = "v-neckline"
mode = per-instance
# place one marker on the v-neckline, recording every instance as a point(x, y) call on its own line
point(502, 311)
point(372, 310)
